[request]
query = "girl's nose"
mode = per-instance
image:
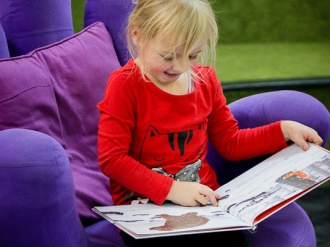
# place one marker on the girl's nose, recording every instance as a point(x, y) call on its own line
point(180, 65)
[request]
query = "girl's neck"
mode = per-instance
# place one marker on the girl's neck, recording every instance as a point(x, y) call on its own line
point(179, 87)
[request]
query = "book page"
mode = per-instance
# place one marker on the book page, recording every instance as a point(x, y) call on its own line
point(151, 220)
point(281, 176)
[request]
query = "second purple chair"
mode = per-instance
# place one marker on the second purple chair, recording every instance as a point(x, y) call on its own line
point(32, 24)
point(114, 14)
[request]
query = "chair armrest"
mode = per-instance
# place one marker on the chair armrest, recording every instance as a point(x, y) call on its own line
point(38, 206)
point(265, 108)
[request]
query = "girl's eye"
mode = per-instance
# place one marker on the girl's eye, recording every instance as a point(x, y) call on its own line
point(168, 59)
point(193, 57)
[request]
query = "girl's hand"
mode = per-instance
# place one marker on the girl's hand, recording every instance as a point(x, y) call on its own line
point(192, 194)
point(300, 134)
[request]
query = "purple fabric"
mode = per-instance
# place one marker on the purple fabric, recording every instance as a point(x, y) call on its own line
point(288, 227)
point(4, 52)
point(31, 24)
point(55, 90)
point(285, 104)
point(104, 234)
point(113, 14)
point(37, 193)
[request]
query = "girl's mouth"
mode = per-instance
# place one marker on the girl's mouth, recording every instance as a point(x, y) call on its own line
point(171, 75)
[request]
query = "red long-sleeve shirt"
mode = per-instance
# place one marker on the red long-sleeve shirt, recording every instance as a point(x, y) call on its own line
point(143, 127)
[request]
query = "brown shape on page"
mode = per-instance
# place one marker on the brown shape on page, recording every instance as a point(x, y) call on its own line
point(187, 220)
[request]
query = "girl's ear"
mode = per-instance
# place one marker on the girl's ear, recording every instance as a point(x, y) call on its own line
point(134, 34)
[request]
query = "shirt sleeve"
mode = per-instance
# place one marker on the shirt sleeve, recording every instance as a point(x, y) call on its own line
point(238, 144)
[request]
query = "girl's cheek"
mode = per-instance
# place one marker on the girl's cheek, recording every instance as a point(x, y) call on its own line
point(193, 63)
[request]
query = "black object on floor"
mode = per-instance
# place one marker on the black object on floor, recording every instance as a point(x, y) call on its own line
point(317, 205)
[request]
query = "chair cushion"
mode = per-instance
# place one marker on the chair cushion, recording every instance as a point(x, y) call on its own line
point(31, 24)
point(55, 90)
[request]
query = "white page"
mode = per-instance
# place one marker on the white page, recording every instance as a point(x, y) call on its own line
point(263, 186)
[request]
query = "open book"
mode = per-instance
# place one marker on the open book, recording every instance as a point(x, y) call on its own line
point(247, 200)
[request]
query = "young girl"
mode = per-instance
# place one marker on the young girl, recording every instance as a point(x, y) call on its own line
point(161, 109)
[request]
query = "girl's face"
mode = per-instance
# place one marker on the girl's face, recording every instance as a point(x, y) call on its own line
point(162, 65)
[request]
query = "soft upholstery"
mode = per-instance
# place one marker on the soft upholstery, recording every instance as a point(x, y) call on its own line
point(55, 91)
point(34, 23)
point(114, 14)
point(34, 168)
point(4, 52)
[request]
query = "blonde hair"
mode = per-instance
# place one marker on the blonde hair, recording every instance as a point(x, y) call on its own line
point(188, 22)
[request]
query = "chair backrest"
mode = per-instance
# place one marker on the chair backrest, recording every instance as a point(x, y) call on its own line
point(32, 24)
point(113, 14)
point(4, 52)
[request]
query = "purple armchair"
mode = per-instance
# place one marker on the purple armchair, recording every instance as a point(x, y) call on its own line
point(31, 24)
point(4, 52)
point(49, 177)
point(114, 15)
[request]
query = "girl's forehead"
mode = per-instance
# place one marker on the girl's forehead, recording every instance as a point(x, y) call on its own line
point(168, 46)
